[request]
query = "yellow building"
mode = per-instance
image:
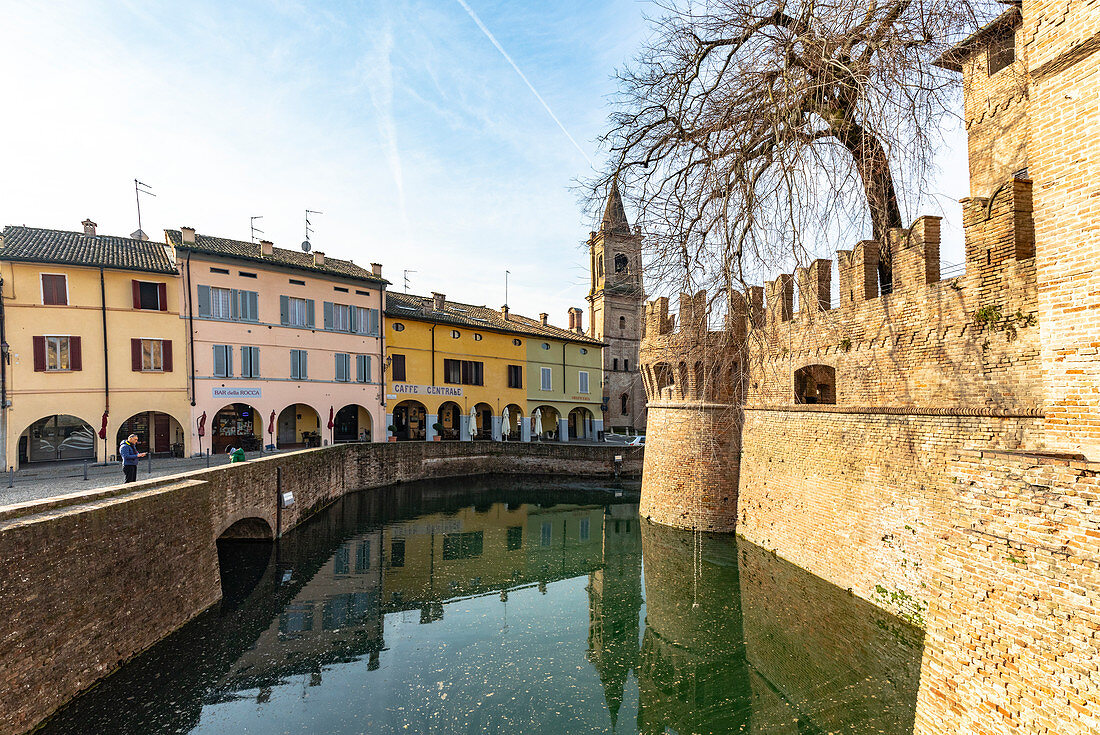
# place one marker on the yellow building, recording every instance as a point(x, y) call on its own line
point(93, 346)
point(452, 370)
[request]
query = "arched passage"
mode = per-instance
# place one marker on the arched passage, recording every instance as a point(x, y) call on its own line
point(157, 432)
point(511, 430)
point(244, 555)
point(815, 384)
point(450, 418)
point(409, 419)
point(298, 425)
point(484, 417)
point(546, 419)
point(236, 425)
point(580, 423)
point(352, 423)
point(57, 438)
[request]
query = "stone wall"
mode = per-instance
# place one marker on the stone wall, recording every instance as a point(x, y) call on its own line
point(91, 579)
point(851, 495)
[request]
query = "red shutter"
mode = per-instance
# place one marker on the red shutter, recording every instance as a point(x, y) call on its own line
point(135, 354)
point(136, 285)
point(39, 354)
point(74, 354)
point(162, 296)
point(166, 354)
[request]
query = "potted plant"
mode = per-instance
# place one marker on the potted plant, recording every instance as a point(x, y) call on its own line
point(438, 428)
point(393, 430)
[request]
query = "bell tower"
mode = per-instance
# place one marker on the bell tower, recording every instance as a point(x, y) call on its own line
point(615, 314)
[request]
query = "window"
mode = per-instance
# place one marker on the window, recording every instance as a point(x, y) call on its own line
point(545, 345)
point(229, 303)
point(151, 355)
point(477, 338)
point(455, 334)
point(55, 290)
point(547, 531)
point(362, 368)
point(299, 369)
point(517, 342)
point(515, 376)
point(624, 404)
point(620, 263)
point(586, 529)
point(220, 271)
point(246, 274)
point(362, 293)
point(1001, 51)
point(584, 351)
point(547, 378)
point(296, 282)
point(397, 553)
point(515, 538)
point(250, 362)
point(815, 384)
point(150, 296)
point(249, 306)
point(56, 353)
point(398, 327)
point(622, 323)
point(365, 321)
point(342, 561)
point(397, 367)
point(463, 545)
point(219, 303)
point(337, 317)
point(582, 381)
point(341, 289)
point(295, 312)
point(223, 361)
point(464, 372)
point(614, 363)
point(362, 557)
point(343, 367)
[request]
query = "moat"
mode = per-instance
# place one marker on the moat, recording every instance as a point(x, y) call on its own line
point(513, 606)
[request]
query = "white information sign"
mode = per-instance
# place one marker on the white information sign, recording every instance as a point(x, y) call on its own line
point(236, 392)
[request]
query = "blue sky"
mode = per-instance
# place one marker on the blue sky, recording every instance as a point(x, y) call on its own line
point(399, 120)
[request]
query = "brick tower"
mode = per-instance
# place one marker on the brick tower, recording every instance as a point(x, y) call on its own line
point(615, 314)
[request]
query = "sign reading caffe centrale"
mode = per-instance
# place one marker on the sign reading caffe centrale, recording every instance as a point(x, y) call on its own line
point(408, 389)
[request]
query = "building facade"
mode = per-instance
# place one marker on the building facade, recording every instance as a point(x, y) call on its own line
point(94, 347)
point(285, 347)
point(453, 369)
point(615, 301)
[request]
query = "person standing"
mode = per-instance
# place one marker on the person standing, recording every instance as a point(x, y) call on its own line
point(130, 456)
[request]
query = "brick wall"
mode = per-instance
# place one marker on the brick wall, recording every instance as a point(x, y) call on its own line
point(94, 578)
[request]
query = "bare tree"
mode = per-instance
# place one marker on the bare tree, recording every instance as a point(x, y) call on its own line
point(746, 131)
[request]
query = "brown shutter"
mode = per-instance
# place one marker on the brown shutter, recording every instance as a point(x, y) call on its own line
point(166, 354)
point(75, 362)
point(136, 286)
point(135, 354)
point(162, 296)
point(39, 354)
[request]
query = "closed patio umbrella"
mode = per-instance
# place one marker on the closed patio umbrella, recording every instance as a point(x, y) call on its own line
point(505, 424)
point(473, 422)
point(538, 421)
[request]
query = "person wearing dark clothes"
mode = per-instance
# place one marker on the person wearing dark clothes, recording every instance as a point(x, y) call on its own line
point(130, 456)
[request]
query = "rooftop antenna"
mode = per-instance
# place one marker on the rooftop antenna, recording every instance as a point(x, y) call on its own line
point(309, 229)
point(139, 189)
point(252, 224)
point(406, 278)
point(506, 288)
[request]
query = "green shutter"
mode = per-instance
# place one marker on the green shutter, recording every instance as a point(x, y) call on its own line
point(204, 301)
point(284, 310)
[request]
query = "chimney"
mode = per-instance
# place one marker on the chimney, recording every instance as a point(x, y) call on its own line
point(188, 235)
point(438, 300)
point(504, 312)
point(89, 227)
point(266, 247)
point(318, 257)
point(575, 319)
point(543, 317)
point(376, 269)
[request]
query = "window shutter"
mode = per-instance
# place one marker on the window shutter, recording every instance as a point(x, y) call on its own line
point(339, 364)
point(219, 360)
point(228, 361)
point(166, 354)
point(204, 301)
point(135, 355)
point(309, 313)
point(353, 319)
point(162, 296)
point(284, 310)
point(136, 287)
point(74, 354)
point(366, 368)
point(253, 306)
point(234, 305)
point(255, 362)
point(39, 354)
point(372, 322)
point(328, 314)
point(305, 363)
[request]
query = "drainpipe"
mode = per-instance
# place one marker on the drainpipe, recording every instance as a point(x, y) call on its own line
point(382, 360)
point(191, 329)
point(433, 353)
point(106, 370)
point(3, 378)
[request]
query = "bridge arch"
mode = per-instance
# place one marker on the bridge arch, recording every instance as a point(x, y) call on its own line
point(248, 524)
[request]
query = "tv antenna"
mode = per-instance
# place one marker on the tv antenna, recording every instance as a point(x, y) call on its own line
point(252, 225)
point(309, 229)
point(139, 189)
point(405, 275)
point(506, 288)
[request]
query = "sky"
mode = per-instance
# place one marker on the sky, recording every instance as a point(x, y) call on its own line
point(427, 145)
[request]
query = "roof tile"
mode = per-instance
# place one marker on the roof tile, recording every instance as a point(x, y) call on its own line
point(38, 245)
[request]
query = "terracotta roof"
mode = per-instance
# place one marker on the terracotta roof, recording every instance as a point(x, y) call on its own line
point(279, 256)
point(38, 245)
point(408, 306)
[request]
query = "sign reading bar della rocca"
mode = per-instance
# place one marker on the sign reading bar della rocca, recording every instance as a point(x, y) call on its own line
point(407, 389)
point(236, 392)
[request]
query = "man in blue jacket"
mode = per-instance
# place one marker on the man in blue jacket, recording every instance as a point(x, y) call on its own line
point(130, 456)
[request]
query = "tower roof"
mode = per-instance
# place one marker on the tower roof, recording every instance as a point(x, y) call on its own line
point(614, 214)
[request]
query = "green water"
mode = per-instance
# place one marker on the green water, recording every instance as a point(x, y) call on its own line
point(518, 607)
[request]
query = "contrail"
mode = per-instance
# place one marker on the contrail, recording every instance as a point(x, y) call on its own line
point(495, 42)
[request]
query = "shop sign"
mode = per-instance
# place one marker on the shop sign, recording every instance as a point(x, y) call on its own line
point(236, 392)
point(450, 391)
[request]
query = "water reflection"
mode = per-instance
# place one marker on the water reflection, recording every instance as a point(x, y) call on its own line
point(518, 608)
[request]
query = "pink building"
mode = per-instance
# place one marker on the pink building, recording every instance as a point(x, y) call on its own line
point(285, 347)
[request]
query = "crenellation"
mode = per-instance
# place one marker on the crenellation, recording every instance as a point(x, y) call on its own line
point(780, 299)
point(815, 283)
